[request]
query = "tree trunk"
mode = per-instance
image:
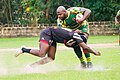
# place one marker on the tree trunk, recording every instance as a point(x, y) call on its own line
point(6, 11)
point(47, 13)
point(10, 10)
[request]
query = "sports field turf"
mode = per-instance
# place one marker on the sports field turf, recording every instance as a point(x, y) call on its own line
point(66, 65)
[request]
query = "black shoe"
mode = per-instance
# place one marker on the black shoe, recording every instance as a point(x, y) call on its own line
point(89, 65)
point(83, 64)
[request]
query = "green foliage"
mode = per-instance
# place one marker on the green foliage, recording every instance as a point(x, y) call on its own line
point(103, 10)
point(44, 11)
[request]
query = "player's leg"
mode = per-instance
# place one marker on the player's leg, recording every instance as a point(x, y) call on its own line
point(42, 61)
point(87, 54)
point(78, 52)
point(85, 29)
point(52, 51)
point(44, 47)
point(49, 58)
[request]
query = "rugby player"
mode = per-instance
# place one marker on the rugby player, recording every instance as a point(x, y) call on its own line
point(116, 17)
point(48, 39)
point(67, 18)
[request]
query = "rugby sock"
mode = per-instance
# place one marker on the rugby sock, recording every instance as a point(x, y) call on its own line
point(87, 55)
point(88, 59)
point(81, 59)
point(25, 50)
point(78, 53)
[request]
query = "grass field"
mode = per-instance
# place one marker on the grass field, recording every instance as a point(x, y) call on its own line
point(66, 65)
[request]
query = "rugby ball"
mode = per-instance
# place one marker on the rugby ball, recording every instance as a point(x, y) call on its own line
point(79, 16)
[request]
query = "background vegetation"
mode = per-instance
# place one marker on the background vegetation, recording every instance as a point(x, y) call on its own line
point(44, 11)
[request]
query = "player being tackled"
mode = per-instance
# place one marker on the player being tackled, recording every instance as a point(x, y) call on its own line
point(48, 39)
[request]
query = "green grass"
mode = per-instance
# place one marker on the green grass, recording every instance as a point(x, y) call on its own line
point(103, 39)
point(33, 41)
point(17, 42)
point(66, 65)
point(109, 62)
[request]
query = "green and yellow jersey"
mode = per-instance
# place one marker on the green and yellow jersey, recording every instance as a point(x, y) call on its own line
point(70, 21)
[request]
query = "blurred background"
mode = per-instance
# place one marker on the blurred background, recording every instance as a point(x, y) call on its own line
point(44, 11)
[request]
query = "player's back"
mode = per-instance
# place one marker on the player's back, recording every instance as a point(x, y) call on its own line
point(61, 34)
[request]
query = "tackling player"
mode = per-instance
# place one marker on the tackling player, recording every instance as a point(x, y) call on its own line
point(47, 45)
point(67, 18)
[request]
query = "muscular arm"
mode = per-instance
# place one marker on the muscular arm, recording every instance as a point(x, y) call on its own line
point(84, 46)
point(86, 14)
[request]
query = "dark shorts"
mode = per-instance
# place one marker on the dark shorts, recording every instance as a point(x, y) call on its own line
point(47, 39)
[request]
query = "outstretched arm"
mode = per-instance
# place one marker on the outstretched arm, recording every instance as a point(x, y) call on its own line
point(84, 46)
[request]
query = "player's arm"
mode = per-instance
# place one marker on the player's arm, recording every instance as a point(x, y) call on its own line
point(85, 47)
point(116, 17)
point(78, 31)
point(86, 13)
point(80, 42)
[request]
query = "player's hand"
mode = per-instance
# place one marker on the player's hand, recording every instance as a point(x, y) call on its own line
point(97, 53)
point(79, 21)
point(78, 31)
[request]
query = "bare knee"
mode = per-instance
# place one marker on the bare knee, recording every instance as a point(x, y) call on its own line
point(42, 53)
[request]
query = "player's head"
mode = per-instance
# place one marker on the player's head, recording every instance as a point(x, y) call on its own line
point(61, 12)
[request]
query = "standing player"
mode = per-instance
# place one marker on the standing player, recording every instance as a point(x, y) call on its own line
point(67, 18)
point(116, 17)
point(47, 45)
point(117, 22)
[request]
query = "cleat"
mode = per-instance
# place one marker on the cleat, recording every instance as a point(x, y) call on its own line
point(83, 64)
point(19, 52)
point(89, 65)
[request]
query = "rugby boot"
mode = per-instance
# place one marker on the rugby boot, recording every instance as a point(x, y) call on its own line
point(89, 65)
point(83, 64)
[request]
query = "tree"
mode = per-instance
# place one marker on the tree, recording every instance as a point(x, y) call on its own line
point(102, 10)
point(44, 11)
